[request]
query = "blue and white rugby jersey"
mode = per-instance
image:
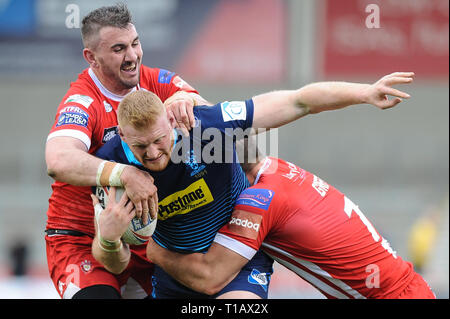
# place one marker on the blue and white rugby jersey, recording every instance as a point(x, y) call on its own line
point(196, 196)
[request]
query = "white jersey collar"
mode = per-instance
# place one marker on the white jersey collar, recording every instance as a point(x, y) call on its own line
point(104, 90)
point(267, 162)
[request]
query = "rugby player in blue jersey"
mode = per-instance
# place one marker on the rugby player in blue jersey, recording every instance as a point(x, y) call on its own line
point(196, 196)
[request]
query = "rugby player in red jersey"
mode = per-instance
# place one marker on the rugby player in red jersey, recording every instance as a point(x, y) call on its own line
point(85, 120)
point(309, 227)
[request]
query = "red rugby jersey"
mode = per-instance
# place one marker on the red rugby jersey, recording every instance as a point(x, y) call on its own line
point(88, 113)
point(316, 231)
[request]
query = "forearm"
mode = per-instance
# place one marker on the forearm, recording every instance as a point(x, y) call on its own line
point(199, 100)
point(327, 96)
point(188, 269)
point(75, 167)
point(183, 95)
point(206, 273)
point(114, 262)
point(69, 162)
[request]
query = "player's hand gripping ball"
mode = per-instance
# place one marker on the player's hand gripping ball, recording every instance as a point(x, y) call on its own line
point(136, 233)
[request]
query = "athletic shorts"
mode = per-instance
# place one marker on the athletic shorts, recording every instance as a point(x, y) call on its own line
point(417, 289)
point(72, 268)
point(254, 277)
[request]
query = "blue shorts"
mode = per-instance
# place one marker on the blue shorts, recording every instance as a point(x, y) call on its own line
point(253, 277)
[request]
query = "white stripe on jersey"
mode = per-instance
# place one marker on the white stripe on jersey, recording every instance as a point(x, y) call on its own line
point(311, 278)
point(235, 245)
point(72, 133)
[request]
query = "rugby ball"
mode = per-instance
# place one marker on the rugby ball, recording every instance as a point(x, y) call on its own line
point(137, 233)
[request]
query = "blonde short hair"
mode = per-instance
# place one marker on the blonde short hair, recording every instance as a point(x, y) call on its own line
point(140, 109)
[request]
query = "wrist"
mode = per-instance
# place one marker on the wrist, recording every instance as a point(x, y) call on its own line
point(109, 246)
point(109, 173)
point(105, 244)
point(363, 95)
point(182, 96)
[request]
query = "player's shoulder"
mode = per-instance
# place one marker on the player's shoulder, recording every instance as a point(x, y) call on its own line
point(155, 75)
point(149, 71)
point(82, 92)
point(84, 82)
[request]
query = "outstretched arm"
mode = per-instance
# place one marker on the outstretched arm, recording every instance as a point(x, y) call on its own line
point(281, 107)
point(206, 273)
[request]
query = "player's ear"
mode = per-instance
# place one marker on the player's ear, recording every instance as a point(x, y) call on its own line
point(119, 130)
point(89, 56)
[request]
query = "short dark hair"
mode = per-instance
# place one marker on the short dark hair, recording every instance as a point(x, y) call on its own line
point(113, 16)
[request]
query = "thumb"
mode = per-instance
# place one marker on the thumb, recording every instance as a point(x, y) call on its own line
point(94, 200)
point(391, 103)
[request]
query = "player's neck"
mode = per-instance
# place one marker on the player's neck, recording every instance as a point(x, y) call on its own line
point(110, 86)
point(253, 172)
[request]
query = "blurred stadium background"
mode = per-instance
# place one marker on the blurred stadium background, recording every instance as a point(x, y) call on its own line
point(393, 163)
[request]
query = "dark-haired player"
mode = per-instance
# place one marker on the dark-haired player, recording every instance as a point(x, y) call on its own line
point(85, 120)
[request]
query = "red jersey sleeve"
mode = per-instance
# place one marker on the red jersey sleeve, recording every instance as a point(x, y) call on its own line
point(163, 83)
point(250, 221)
point(76, 115)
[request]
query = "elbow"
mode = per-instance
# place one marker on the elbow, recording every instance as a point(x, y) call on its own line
point(55, 169)
point(302, 101)
point(57, 162)
point(301, 107)
point(52, 171)
point(54, 164)
point(59, 156)
point(211, 283)
point(211, 289)
point(52, 168)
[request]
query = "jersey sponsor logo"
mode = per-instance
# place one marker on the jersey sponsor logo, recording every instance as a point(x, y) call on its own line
point(86, 266)
point(165, 76)
point(182, 202)
point(296, 174)
point(109, 133)
point(192, 163)
point(233, 111)
point(73, 109)
point(245, 224)
point(256, 197)
point(108, 107)
point(73, 118)
point(80, 99)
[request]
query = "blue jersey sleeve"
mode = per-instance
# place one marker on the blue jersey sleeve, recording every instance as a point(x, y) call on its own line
point(235, 114)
